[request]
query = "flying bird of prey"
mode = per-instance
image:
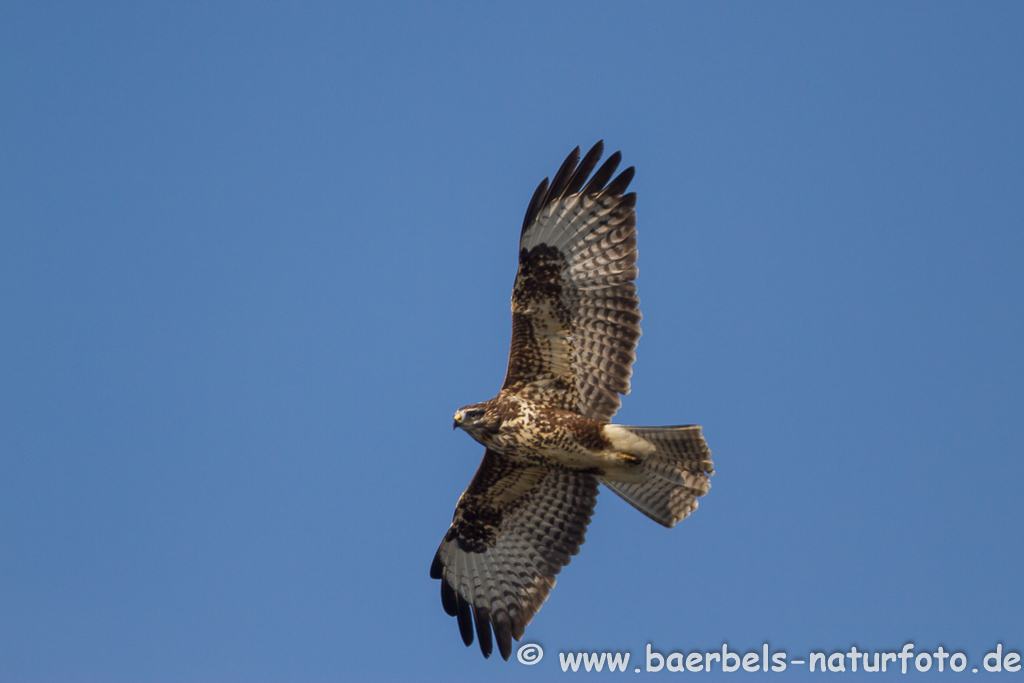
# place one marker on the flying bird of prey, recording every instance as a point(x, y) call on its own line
point(548, 436)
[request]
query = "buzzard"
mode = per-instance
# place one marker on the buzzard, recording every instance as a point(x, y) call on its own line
point(548, 437)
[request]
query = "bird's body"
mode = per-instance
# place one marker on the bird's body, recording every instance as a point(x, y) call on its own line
point(528, 434)
point(548, 433)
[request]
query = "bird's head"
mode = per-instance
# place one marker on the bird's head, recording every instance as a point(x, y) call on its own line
point(475, 419)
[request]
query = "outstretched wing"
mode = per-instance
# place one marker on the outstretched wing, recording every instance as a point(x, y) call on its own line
point(514, 529)
point(575, 312)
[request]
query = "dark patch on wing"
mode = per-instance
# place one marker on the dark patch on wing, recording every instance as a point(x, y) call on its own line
point(538, 309)
point(497, 489)
point(539, 278)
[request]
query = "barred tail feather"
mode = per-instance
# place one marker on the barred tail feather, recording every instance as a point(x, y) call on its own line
point(674, 476)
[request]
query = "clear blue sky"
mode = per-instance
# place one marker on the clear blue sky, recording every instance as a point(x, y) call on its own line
point(252, 258)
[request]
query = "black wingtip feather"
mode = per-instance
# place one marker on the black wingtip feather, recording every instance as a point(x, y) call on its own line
point(483, 631)
point(503, 635)
point(436, 568)
point(536, 204)
point(465, 620)
point(448, 601)
point(619, 185)
point(579, 177)
point(564, 174)
point(603, 174)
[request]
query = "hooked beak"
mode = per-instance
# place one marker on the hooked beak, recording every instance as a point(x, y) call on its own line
point(457, 421)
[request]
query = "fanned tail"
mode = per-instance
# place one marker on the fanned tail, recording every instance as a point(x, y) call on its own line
point(674, 476)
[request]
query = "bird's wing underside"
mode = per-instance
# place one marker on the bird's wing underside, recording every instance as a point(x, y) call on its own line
point(514, 529)
point(575, 312)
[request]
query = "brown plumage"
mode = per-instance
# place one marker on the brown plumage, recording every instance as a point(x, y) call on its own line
point(575, 326)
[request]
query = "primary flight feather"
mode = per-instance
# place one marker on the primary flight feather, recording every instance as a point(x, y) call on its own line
point(548, 436)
